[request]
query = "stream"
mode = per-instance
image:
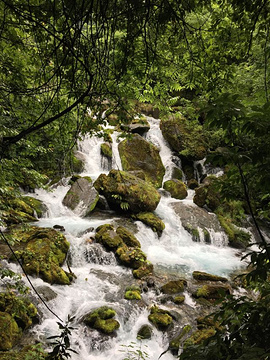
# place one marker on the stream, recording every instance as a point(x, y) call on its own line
point(102, 281)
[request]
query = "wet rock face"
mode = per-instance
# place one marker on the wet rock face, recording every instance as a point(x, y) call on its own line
point(138, 154)
point(82, 193)
point(127, 192)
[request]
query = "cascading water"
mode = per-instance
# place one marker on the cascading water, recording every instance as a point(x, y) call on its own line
point(101, 281)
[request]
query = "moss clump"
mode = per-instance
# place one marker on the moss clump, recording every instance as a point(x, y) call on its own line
point(106, 150)
point(237, 237)
point(131, 257)
point(178, 340)
point(194, 232)
point(179, 299)
point(43, 253)
point(107, 236)
point(199, 336)
point(176, 188)
point(102, 320)
point(133, 294)
point(177, 173)
point(160, 318)
point(10, 333)
point(150, 219)
point(127, 237)
point(143, 271)
point(37, 205)
point(203, 276)
point(173, 287)
point(20, 308)
point(212, 292)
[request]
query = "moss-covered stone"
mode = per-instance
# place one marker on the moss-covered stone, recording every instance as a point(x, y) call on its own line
point(133, 292)
point(127, 237)
point(145, 332)
point(237, 237)
point(194, 232)
point(29, 352)
point(177, 173)
point(10, 333)
point(138, 154)
point(127, 192)
point(176, 188)
point(212, 292)
point(203, 276)
point(208, 194)
point(43, 252)
point(131, 257)
point(160, 318)
point(37, 205)
point(102, 320)
point(179, 299)
point(199, 336)
point(20, 308)
point(106, 150)
point(108, 237)
point(192, 184)
point(143, 271)
point(152, 220)
point(173, 287)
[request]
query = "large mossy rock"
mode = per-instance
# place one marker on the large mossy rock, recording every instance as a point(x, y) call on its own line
point(138, 154)
point(102, 320)
point(173, 287)
point(42, 252)
point(208, 194)
point(83, 194)
point(10, 332)
point(203, 276)
point(176, 188)
point(184, 137)
point(127, 192)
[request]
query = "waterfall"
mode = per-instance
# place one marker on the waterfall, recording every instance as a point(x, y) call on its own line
point(101, 281)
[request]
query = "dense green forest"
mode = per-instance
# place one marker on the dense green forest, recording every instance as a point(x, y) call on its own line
point(68, 67)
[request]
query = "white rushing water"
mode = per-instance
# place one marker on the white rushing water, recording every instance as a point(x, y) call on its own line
point(101, 281)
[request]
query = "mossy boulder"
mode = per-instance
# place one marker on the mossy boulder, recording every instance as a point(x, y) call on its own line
point(179, 299)
point(176, 188)
point(102, 320)
point(238, 238)
point(208, 194)
point(138, 154)
point(37, 205)
point(133, 292)
point(106, 150)
point(143, 271)
point(126, 192)
point(20, 308)
point(177, 173)
point(42, 252)
point(199, 336)
point(82, 194)
point(127, 237)
point(108, 237)
point(184, 137)
point(203, 276)
point(145, 332)
point(131, 257)
point(177, 341)
point(10, 332)
point(160, 318)
point(193, 231)
point(173, 287)
point(212, 292)
point(151, 220)
point(192, 184)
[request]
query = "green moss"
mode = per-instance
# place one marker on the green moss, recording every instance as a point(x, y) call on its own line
point(151, 220)
point(207, 237)
point(30, 352)
point(143, 271)
point(127, 237)
point(194, 232)
point(145, 332)
point(107, 236)
point(211, 292)
point(106, 150)
point(179, 299)
point(132, 295)
point(102, 320)
point(160, 318)
point(176, 188)
point(9, 331)
point(177, 340)
point(77, 165)
point(131, 257)
point(237, 237)
point(203, 276)
point(35, 204)
point(199, 336)
point(173, 287)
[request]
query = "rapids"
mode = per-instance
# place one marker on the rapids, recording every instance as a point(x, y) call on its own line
point(101, 281)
